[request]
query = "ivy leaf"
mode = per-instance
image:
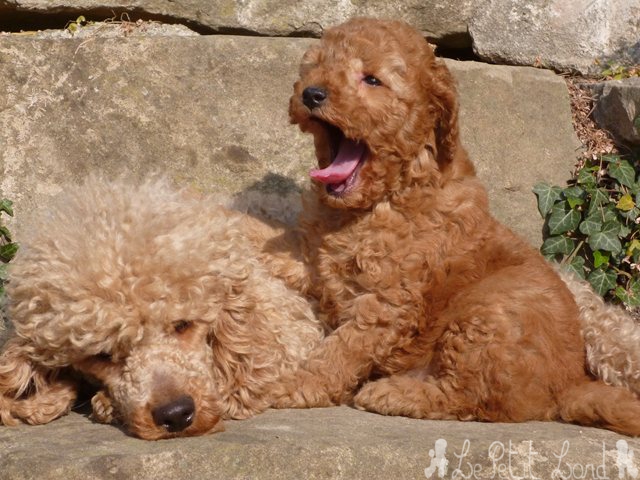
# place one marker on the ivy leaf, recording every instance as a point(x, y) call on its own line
point(598, 197)
point(602, 280)
point(576, 267)
point(574, 195)
point(609, 214)
point(607, 239)
point(547, 196)
point(574, 202)
point(8, 251)
point(631, 214)
point(573, 192)
point(586, 178)
point(591, 224)
point(625, 203)
point(622, 171)
point(563, 219)
point(600, 258)
point(6, 206)
point(557, 244)
point(5, 233)
point(624, 231)
point(630, 296)
point(633, 246)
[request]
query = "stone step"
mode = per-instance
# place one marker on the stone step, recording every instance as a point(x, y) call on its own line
point(617, 109)
point(211, 111)
point(330, 443)
point(580, 35)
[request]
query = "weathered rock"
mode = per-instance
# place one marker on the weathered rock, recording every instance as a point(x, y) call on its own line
point(516, 123)
point(210, 111)
point(445, 22)
point(558, 34)
point(617, 109)
point(114, 29)
point(338, 443)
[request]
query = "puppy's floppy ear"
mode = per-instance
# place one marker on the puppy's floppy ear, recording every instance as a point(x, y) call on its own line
point(445, 103)
point(30, 392)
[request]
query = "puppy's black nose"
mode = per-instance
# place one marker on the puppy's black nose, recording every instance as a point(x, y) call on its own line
point(176, 415)
point(313, 97)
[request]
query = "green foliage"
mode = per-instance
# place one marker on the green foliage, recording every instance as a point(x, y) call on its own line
point(593, 226)
point(614, 71)
point(8, 247)
point(74, 26)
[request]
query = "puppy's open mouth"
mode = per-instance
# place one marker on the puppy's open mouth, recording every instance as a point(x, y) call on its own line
point(347, 155)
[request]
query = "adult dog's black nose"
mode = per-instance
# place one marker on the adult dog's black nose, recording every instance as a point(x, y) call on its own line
point(176, 415)
point(313, 97)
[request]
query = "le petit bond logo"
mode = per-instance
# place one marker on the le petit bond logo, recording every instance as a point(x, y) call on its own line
point(506, 461)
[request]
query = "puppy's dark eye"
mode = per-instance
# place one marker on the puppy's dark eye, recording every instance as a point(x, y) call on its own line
point(103, 357)
point(182, 326)
point(371, 80)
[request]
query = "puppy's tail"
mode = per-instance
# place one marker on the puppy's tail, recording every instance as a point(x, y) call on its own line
point(594, 403)
point(30, 393)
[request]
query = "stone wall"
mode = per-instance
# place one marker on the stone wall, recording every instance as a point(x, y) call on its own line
point(204, 101)
point(211, 111)
point(559, 34)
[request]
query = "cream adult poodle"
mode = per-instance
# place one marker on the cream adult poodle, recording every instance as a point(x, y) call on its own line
point(158, 298)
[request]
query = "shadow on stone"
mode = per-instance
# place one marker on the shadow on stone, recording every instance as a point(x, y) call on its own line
point(273, 197)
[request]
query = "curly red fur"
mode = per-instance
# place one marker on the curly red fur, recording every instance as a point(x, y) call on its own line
point(424, 288)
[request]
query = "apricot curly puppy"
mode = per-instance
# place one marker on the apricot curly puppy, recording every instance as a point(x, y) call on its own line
point(159, 298)
point(459, 317)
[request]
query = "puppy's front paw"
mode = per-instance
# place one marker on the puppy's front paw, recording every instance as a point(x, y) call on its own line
point(102, 406)
point(374, 397)
point(386, 397)
point(403, 396)
point(301, 390)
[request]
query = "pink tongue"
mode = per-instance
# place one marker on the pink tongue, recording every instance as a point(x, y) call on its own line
point(349, 155)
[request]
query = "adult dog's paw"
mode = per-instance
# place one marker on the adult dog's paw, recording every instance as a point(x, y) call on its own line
point(103, 411)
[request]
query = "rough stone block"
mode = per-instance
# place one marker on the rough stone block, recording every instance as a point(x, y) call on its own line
point(564, 35)
point(337, 443)
point(211, 111)
point(617, 109)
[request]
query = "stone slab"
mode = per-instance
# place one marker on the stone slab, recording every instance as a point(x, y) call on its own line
point(559, 34)
point(516, 124)
point(617, 108)
point(336, 443)
point(576, 35)
point(445, 22)
point(211, 111)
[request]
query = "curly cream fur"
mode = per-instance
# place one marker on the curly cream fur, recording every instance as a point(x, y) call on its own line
point(611, 336)
point(155, 293)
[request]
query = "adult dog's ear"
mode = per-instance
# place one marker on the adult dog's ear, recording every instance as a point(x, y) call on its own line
point(246, 357)
point(30, 392)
